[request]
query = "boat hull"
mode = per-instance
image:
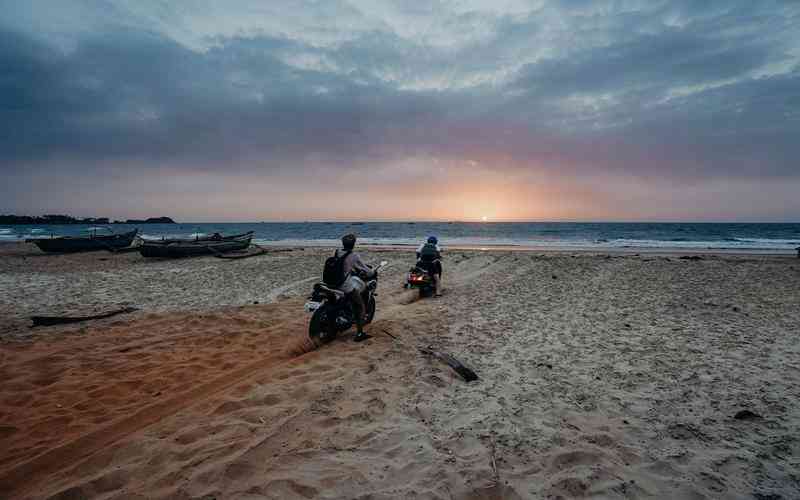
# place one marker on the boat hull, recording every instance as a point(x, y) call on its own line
point(204, 238)
point(70, 244)
point(192, 249)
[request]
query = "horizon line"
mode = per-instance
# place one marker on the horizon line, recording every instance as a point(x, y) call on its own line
point(478, 220)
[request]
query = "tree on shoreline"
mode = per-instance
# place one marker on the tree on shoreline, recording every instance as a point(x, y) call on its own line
point(59, 219)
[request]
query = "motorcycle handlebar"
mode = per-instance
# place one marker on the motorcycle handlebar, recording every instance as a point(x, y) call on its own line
point(375, 270)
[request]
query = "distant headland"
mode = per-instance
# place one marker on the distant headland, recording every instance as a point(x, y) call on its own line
point(67, 219)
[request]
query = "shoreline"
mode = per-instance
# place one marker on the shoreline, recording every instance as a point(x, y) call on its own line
point(560, 249)
point(658, 251)
point(566, 249)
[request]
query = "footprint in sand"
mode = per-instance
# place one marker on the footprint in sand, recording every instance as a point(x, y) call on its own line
point(229, 407)
point(286, 488)
point(602, 440)
point(238, 470)
point(576, 458)
point(270, 400)
point(7, 431)
point(45, 380)
point(376, 406)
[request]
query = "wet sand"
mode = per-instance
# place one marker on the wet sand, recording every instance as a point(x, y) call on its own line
point(607, 376)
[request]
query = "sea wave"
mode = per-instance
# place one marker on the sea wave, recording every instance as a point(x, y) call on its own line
point(769, 241)
point(706, 244)
point(677, 244)
point(780, 238)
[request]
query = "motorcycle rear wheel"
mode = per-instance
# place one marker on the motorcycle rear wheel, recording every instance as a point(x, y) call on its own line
point(370, 310)
point(319, 327)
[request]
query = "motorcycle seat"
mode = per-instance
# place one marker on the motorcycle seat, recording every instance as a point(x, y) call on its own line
point(322, 287)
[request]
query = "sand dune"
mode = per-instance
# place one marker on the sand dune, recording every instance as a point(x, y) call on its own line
point(601, 376)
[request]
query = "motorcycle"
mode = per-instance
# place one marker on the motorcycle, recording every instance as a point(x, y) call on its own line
point(331, 311)
point(421, 279)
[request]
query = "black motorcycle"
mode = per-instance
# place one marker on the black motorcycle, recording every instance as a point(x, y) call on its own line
point(331, 311)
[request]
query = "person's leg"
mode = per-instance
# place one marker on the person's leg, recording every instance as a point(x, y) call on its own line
point(437, 277)
point(359, 310)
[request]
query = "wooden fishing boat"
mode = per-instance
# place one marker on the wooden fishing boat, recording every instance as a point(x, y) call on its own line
point(196, 239)
point(191, 248)
point(93, 242)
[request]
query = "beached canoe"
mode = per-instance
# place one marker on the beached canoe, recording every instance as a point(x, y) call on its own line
point(176, 249)
point(94, 242)
point(196, 239)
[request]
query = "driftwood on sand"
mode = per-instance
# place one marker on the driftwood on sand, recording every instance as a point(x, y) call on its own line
point(465, 372)
point(259, 250)
point(125, 250)
point(59, 320)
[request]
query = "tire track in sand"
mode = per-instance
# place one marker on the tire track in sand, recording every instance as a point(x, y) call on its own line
point(275, 293)
point(457, 275)
point(270, 297)
point(21, 478)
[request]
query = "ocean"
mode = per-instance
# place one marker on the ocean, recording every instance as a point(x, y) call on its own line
point(555, 235)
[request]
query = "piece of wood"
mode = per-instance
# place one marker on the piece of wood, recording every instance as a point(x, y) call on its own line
point(389, 334)
point(59, 320)
point(126, 249)
point(234, 256)
point(495, 474)
point(465, 372)
point(120, 250)
point(261, 251)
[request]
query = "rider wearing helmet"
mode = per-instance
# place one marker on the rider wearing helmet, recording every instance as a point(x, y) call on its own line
point(429, 256)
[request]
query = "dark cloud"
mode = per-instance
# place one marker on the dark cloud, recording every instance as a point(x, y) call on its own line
point(141, 95)
point(652, 62)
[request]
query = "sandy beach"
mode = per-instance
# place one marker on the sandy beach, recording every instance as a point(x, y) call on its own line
point(601, 376)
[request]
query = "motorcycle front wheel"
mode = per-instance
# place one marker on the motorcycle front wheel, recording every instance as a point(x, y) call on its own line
point(320, 327)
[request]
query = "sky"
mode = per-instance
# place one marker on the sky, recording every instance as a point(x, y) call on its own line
point(250, 110)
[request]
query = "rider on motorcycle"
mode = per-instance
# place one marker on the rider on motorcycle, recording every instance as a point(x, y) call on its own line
point(429, 256)
point(354, 268)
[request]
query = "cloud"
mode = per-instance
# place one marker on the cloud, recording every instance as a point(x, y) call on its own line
point(676, 91)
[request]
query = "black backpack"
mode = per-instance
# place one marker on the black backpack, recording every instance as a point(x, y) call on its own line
point(333, 273)
point(428, 253)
